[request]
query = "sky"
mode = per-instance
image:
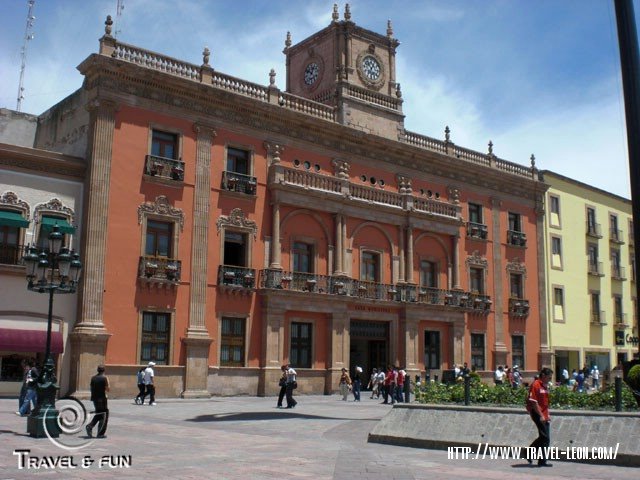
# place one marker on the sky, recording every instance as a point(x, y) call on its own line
point(535, 77)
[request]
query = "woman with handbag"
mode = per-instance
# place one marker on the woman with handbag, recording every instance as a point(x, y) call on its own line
point(282, 383)
point(345, 384)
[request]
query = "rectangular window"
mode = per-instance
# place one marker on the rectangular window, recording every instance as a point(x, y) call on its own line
point(369, 268)
point(517, 351)
point(238, 161)
point(428, 274)
point(432, 350)
point(556, 252)
point(515, 222)
point(477, 280)
point(159, 239)
point(592, 253)
point(595, 307)
point(47, 222)
point(9, 248)
point(617, 309)
point(232, 342)
point(613, 227)
point(475, 213)
point(558, 303)
point(515, 282)
point(300, 352)
point(477, 351)
point(164, 144)
point(235, 249)
point(155, 337)
point(302, 257)
point(592, 226)
point(554, 204)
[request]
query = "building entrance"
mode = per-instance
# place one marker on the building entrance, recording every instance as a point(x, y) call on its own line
point(369, 347)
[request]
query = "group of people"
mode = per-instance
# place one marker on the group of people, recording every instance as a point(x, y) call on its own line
point(506, 375)
point(28, 398)
point(145, 385)
point(288, 383)
point(389, 384)
point(578, 381)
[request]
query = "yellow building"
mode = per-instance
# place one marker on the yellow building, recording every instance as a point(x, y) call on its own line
point(590, 275)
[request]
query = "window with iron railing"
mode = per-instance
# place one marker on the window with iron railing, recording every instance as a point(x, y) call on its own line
point(232, 342)
point(155, 343)
point(477, 351)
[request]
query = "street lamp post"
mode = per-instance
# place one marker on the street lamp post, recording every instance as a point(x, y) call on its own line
point(56, 270)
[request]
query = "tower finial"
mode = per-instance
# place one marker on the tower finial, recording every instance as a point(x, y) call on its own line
point(490, 147)
point(447, 137)
point(272, 77)
point(533, 161)
point(389, 29)
point(205, 56)
point(347, 12)
point(107, 25)
point(335, 16)
point(287, 42)
point(398, 91)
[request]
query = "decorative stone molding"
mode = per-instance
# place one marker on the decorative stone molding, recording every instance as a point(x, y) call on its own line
point(11, 200)
point(54, 206)
point(163, 208)
point(454, 194)
point(273, 152)
point(341, 168)
point(539, 208)
point(516, 266)
point(237, 220)
point(477, 260)
point(404, 184)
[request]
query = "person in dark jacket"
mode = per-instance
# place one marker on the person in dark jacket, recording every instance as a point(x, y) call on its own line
point(99, 389)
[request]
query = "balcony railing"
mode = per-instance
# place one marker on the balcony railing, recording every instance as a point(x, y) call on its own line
point(620, 319)
point(515, 238)
point(598, 317)
point(594, 230)
point(233, 276)
point(11, 254)
point(519, 307)
point(238, 182)
point(154, 269)
point(341, 285)
point(615, 236)
point(165, 168)
point(595, 268)
point(477, 230)
point(618, 272)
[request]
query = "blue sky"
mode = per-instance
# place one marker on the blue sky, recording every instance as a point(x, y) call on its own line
point(534, 76)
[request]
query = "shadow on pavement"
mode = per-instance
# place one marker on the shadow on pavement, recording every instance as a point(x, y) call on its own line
point(276, 415)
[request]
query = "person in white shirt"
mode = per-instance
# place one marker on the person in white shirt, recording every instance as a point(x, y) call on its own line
point(292, 384)
point(149, 386)
point(499, 375)
point(595, 375)
point(565, 376)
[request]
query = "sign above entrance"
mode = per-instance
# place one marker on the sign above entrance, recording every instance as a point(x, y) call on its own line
point(363, 308)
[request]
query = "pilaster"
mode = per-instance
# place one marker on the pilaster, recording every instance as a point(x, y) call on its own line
point(273, 348)
point(409, 266)
point(276, 248)
point(499, 346)
point(338, 347)
point(545, 356)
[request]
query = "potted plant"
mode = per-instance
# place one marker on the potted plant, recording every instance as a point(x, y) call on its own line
point(171, 270)
point(150, 268)
point(248, 279)
point(177, 172)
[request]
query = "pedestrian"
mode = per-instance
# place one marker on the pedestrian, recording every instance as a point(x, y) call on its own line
point(344, 385)
point(292, 384)
point(516, 377)
point(23, 387)
point(595, 374)
point(388, 385)
point(31, 382)
point(150, 388)
point(565, 376)
point(381, 377)
point(282, 383)
point(498, 376)
point(373, 383)
point(356, 384)
point(99, 388)
point(139, 400)
point(509, 375)
point(538, 408)
point(400, 376)
point(465, 370)
point(579, 386)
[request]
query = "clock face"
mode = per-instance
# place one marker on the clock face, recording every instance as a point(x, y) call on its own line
point(311, 73)
point(371, 68)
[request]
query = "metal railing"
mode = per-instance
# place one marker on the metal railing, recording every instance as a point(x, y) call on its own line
point(519, 307)
point(163, 167)
point(594, 230)
point(159, 269)
point(615, 235)
point(238, 182)
point(516, 238)
point(236, 276)
point(598, 316)
point(477, 230)
point(11, 254)
point(618, 272)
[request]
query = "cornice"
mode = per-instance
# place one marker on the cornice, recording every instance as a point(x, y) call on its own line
point(131, 84)
point(41, 161)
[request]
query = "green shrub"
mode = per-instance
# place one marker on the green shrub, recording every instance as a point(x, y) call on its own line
point(633, 377)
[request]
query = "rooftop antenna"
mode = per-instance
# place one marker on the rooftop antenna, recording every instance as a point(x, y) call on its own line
point(119, 9)
point(28, 35)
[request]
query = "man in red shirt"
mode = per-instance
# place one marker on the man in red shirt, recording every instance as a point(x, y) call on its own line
point(538, 408)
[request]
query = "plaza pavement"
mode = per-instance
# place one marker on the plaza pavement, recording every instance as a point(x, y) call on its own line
point(248, 438)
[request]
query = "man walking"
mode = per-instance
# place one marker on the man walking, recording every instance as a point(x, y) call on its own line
point(30, 384)
point(150, 388)
point(99, 389)
point(538, 408)
point(292, 384)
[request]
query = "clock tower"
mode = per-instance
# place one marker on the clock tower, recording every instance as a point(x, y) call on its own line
point(352, 69)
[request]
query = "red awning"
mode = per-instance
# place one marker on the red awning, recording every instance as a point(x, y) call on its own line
point(16, 340)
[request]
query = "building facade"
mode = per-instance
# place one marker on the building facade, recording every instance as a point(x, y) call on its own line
point(591, 275)
point(38, 189)
point(231, 227)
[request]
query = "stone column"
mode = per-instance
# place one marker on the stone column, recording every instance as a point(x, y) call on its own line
point(545, 356)
point(345, 268)
point(455, 271)
point(458, 341)
point(89, 337)
point(411, 342)
point(409, 267)
point(276, 248)
point(339, 250)
point(273, 347)
point(338, 347)
point(499, 347)
point(197, 341)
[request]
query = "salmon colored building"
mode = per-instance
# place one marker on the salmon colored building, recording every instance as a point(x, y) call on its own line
point(232, 227)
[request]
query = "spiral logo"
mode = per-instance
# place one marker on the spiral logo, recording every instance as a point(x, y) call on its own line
point(71, 422)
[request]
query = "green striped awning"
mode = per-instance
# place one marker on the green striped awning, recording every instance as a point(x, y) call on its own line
point(47, 223)
point(13, 219)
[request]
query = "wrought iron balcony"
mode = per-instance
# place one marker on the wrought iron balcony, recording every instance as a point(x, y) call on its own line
point(598, 317)
point(477, 230)
point(620, 319)
point(618, 272)
point(517, 239)
point(159, 270)
point(237, 182)
point(595, 268)
point(519, 307)
point(615, 236)
point(164, 168)
point(594, 230)
point(239, 277)
point(11, 254)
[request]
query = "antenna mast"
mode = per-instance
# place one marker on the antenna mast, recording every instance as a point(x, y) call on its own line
point(28, 35)
point(119, 9)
